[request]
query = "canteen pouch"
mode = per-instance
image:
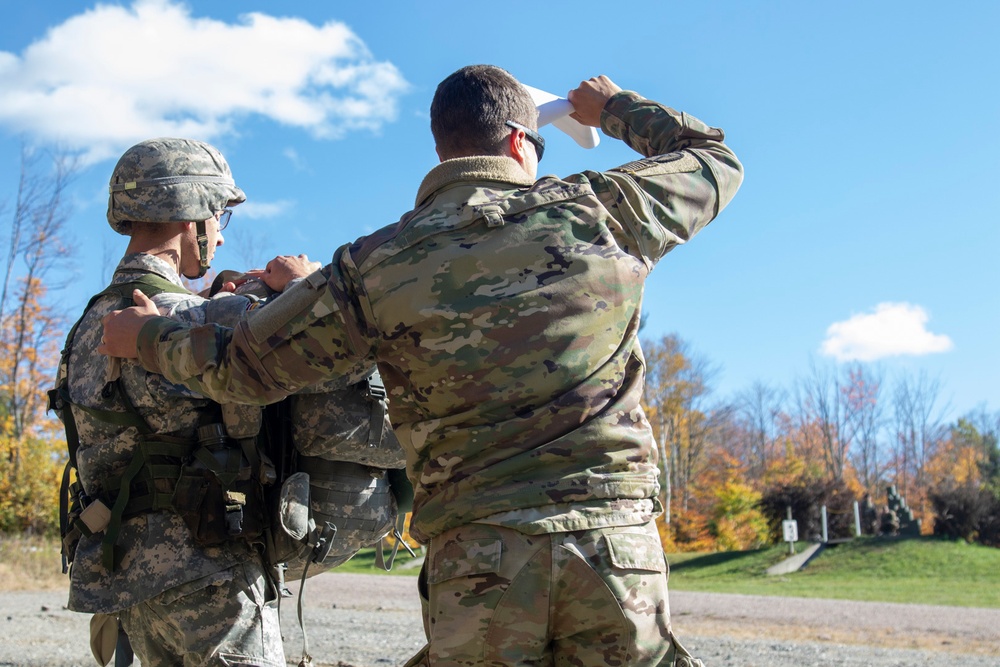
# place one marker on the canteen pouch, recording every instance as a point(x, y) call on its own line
point(324, 516)
point(294, 525)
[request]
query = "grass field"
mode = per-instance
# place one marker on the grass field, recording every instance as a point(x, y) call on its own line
point(30, 563)
point(920, 571)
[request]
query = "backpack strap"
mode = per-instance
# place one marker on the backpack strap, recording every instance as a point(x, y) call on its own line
point(375, 392)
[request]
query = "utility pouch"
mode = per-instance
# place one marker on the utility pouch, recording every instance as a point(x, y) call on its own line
point(96, 516)
point(216, 493)
point(346, 424)
point(326, 512)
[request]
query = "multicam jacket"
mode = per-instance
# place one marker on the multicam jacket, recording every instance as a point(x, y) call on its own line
point(503, 313)
point(157, 550)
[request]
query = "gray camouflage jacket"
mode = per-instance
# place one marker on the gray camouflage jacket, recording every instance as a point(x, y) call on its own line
point(504, 317)
point(158, 552)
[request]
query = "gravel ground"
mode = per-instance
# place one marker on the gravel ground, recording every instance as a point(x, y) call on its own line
point(374, 621)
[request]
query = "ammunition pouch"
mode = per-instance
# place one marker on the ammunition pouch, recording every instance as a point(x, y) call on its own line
point(219, 497)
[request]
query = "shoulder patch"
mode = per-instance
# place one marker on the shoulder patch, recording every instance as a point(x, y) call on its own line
point(671, 163)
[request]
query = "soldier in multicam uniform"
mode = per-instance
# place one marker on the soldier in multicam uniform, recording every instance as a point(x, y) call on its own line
point(179, 602)
point(503, 312)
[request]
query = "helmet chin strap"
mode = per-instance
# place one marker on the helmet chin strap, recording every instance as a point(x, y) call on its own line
point(202, 248)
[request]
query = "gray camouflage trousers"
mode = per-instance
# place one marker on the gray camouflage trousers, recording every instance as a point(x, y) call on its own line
point(229, 618)
point(494, 596)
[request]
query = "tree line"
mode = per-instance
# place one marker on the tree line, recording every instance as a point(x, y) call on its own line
point(730, 466)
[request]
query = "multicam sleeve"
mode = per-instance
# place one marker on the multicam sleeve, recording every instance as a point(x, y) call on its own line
point(686, 176)
point(301, 338)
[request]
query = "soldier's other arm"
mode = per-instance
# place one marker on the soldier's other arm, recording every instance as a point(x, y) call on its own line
point(686, 176)
point(310, 334)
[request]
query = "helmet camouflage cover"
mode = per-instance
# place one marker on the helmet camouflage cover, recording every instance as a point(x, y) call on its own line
point(170, 180)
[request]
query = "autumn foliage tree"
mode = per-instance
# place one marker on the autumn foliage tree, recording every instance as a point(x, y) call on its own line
point(31, 452)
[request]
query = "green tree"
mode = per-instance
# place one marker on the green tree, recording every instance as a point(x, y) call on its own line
point(737, 522)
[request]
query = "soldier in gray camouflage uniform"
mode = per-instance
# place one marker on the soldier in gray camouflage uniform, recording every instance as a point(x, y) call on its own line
point(180, 603)
point(503, 312)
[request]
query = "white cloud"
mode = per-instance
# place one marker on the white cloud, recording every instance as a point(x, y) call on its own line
point(254, 210)
point(111, 76)
point(893, 329)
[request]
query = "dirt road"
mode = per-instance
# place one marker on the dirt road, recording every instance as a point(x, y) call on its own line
point(374, 621)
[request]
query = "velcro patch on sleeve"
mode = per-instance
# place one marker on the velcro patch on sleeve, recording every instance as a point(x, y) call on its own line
point(298, 299)
point(671, 163)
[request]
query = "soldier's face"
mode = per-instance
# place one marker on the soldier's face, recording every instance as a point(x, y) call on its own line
point(191, 257)
point(215, 238)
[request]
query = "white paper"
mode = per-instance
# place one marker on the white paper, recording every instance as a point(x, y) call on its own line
point(555, 110)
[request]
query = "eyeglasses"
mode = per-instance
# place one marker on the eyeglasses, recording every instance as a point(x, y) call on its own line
point(224, 216)
point(532, 136)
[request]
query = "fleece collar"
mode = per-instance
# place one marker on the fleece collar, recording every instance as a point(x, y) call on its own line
point(477, 168)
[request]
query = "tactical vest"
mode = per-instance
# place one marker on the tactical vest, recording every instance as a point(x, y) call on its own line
point(214, 482)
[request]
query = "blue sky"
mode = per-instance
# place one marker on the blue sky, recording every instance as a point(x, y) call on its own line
point(866, 228)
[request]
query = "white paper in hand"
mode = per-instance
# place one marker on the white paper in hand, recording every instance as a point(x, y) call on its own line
point(556, 110)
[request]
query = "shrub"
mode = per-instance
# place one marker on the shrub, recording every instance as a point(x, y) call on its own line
point(967, 512)
point(30, 471)
point(737, 523)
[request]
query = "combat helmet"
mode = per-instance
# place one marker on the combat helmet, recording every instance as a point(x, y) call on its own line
point(171, 180)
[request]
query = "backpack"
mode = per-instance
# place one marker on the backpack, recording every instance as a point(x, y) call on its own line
point(341, 485)
point(340, 481)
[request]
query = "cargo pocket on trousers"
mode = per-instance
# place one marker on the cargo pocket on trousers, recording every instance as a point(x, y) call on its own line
point(464, 559)
point(636, 551)
point(172, 595)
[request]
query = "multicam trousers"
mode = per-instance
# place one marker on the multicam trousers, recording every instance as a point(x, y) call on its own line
point(227, 619)
point(494, 596)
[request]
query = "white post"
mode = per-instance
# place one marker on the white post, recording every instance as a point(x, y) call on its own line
point(824, 523)
point(857, 520)
point(790, 531)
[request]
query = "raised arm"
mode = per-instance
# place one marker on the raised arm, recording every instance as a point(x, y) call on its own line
point(685, 178)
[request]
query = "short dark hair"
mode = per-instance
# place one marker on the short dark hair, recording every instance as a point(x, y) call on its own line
point(471, 107)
